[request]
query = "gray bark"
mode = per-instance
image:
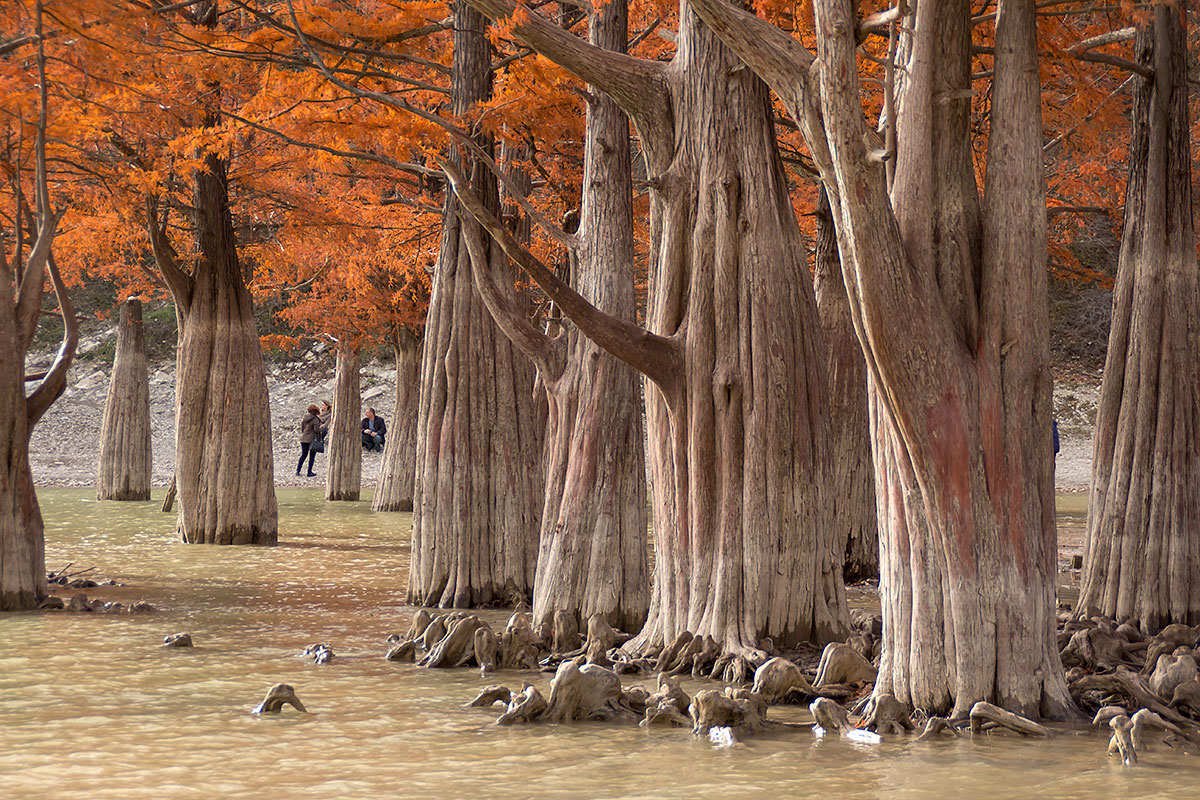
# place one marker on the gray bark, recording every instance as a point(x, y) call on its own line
point(397, 473)
point(479, 476)
point(125, 464)
point(343, 481)
point(1143, 545)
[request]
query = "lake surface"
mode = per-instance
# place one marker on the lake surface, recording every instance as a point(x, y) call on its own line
point(92, 706)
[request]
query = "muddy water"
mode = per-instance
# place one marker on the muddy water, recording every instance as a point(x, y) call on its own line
point(91, 705)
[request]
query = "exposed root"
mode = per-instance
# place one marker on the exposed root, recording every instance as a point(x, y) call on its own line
point(740, 710)
point(528, 705)
point(1172, 670)
point(842, 664)
point(829, 716)
point(490, 695)
point(935, 727)
point(778, 679)
point(404, 651)
point(985, 716)
point(177, 640)
point(319, 653)
point(884, 714)
point(278, 696)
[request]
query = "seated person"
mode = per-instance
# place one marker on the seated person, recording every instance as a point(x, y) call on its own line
point(373, 430)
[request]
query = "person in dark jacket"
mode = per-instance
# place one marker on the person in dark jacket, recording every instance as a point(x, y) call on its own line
point(310, 428)
point(374, 429)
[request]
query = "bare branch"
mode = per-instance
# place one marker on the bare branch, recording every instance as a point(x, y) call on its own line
point(655, 356)
point(545, 352)
point(55, 380)
point(1083, 51)
point(178, 281)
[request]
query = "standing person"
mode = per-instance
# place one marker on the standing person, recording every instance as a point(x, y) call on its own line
point(310, 428)
point(374, 429)
point(325, 415)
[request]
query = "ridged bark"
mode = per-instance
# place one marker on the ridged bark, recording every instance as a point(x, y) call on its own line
point(592, 556)
point(479, 477)
point(224, 465)
point(852, 481)
point(126, 453)
point(397, 473)
point(22, 542)
point(343, 480)
point(948, 296)
point(1142, 558)
point(736, 418)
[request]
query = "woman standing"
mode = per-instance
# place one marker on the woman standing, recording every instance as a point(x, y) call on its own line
point(310, 428)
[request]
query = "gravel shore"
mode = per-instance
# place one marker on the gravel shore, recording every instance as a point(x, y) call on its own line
point(66, 443)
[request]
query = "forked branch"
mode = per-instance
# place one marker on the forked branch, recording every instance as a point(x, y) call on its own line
point(1084, 51)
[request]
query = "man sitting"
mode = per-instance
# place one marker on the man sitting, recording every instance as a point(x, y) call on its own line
point(373, 430)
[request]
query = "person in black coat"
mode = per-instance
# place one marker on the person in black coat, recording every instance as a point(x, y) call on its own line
point(374, 429)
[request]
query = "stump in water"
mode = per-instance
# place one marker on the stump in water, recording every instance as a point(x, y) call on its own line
point(124, 468)
point(778, 678)
point(740, 710)
point(278, 696)
point(343, 478)
point(395, 489)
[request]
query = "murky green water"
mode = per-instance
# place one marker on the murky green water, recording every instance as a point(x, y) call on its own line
point(91, 705)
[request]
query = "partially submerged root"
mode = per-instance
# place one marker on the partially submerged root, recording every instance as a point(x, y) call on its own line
point(985, 716)
point(490, 695)
point(528, 705)
point(740, 710)
point(885, 714)
point(935, 727)
point(457, 647)
point(829, 716)
point(320, 653)
point(778, 679)
point(588, 692)
point(842, 664)
point(278, 696)
point(177, 640)
point(404, 651)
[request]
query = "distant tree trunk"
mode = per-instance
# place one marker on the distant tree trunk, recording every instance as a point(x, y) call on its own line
point(852, 482)
point(169, 498)
point(948, 295)
point(344, 478)
point(396, 474)
point(479, 477)
point(736, 423)
point(224, 465)
point(125, 447)
point(1143, 546)
point(592, 558)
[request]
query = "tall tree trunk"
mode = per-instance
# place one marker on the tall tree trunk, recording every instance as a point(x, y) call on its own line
point(224, 464)
point(852, 483)
point(125, 446)
point(22, 285)
point(948, 296)
point(395, 490)
point(344, 478)
point(1143, 546)
point(736, 422)
point(479, 477)
point(592, 558)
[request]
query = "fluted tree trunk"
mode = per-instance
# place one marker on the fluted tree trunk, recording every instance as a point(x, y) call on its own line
point(22, 278)
point(852, 483)
point(948, 296)
point(736, 418)
point(479, 477)
point(592, 557)
point(1142, 558)
point(126, 451)
point(224, 463)
point(397, 473)
point(343, 481)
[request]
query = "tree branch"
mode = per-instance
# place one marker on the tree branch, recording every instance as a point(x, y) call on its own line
point(544, 351)
point(178, 281)
point(638, 85)
point(55, 380)
point(657, 357)
point(774, 56)
point(1083, 51)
